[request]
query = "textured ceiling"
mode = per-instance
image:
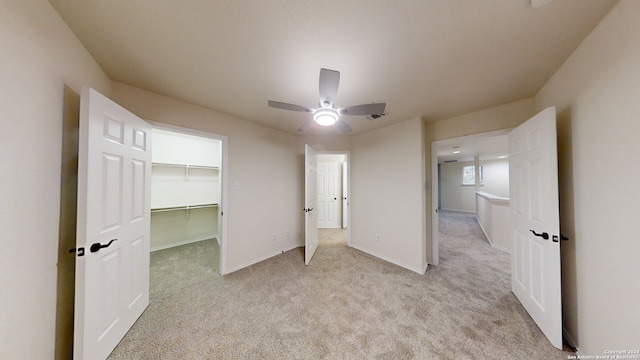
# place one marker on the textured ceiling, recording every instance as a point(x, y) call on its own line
point(428, 58)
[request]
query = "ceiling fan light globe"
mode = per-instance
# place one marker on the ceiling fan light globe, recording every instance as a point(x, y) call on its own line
point(325, 117)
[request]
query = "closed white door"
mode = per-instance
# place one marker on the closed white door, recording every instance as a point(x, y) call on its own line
point(311, 203)
point(112, 256)
point(535, 225)
point(329, 195)
point(345, 195)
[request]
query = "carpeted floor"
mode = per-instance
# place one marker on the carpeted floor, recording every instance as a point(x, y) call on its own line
point(344, 305)
point(332, 237)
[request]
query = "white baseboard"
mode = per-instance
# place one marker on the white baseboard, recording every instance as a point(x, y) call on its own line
point(263, 258)
point(500, 248)
point(489, 239)
point(395, 262)
point(484, 231)
point(190, 241)
point(462, 211)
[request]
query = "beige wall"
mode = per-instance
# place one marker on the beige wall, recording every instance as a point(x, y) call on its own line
point(387, 194)
point(42, 68)
point(262, 160)
point(496, 177)
point(454, 195)
point(505, 116)
point(597, 95)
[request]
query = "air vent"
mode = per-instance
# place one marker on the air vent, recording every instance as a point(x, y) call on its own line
point(451, 161)
point(375, 116)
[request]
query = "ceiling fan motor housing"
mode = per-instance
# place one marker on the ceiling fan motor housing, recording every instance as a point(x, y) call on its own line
point(325, 116)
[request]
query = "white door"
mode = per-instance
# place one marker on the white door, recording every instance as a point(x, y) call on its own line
point(535, 224)
point(345, 194)
point(311, 203)
point(329, 195)
point(112, 257)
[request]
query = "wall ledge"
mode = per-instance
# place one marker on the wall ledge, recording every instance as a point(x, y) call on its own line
point(492, 198)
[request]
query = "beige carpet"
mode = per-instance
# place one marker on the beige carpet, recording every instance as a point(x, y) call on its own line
point(332, 237)
point(344, 305)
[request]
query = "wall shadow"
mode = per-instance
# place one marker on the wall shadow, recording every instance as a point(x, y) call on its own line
point(567, 224)
point(67, 225)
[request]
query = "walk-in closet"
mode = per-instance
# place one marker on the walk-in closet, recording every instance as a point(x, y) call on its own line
point(185, 205)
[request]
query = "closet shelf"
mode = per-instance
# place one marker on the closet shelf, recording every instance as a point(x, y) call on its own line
point(186, 207)
point(186, 166)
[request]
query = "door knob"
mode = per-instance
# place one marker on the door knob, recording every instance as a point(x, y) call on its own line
point(97, 246)
point(544, 235)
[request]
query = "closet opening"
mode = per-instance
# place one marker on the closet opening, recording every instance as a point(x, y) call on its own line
point(187, 213)
point(333, 199)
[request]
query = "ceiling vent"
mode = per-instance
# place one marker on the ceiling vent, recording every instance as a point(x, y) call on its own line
point(375, 116)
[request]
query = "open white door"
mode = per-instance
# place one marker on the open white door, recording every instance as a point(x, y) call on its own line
point(112, 257)
point(535, 224)
point(311, 203)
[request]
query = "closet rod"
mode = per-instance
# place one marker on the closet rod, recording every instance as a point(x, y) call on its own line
point(187, 207)
point(187, 166)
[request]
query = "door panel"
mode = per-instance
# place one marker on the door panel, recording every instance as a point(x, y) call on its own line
point(112, 281)
point(329, 195)
point(345, 195)
point(311, 203)
point(535, 261)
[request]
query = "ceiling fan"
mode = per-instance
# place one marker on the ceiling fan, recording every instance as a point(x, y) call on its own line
point(326, 114)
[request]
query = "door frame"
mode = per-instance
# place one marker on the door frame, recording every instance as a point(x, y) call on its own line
point(222, 232)
point(435, 194)
point(347, 155)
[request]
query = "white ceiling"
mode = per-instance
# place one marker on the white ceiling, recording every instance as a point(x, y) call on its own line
point(486, 148)
point(428, 58)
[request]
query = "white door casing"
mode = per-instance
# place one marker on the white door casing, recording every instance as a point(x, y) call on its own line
point(535, 224)
point(114, 168)
point(311, 203)
point(329, 195)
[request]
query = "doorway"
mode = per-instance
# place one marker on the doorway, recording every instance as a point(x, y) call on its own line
point(452, 150)
point(187, 205)
point(333, 198)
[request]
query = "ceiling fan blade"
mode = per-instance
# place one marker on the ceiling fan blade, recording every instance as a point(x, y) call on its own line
point(329, 81)
point(285, 106)
point(365, 109)
point(342, 127)
point(306, 126)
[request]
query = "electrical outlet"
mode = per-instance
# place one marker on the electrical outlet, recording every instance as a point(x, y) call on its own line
point(274, 237)
point(378, 237)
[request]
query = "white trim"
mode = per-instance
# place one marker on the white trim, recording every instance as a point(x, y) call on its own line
point(224, 166)
point(484, 231)
point(395, 262)
point(489, 239)
point(198, 239)
point(263, 258)
point(460, 211)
